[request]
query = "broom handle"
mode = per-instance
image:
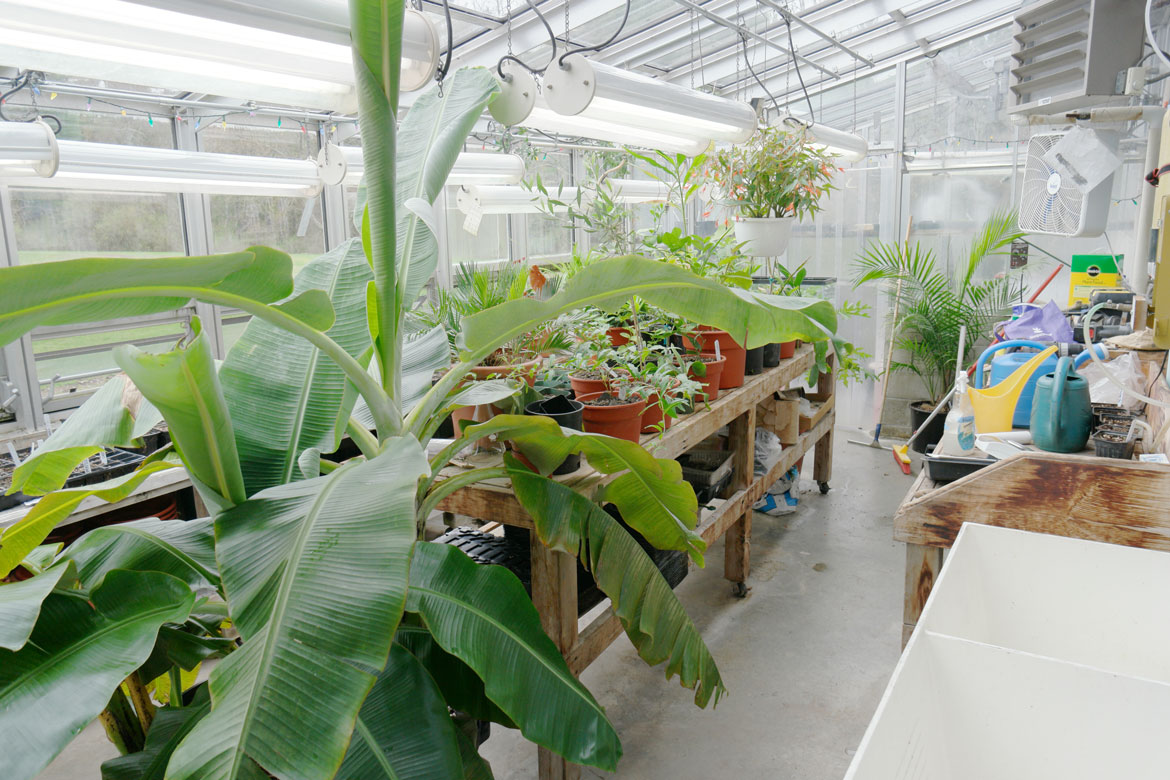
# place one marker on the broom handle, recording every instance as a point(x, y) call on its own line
point(893, 326)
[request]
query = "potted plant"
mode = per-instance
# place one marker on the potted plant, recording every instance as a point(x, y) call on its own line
point(936, 303)
point(774, 180)
point(614, 413)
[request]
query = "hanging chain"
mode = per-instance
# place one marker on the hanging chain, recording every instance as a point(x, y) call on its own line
point(508, 18)
point(566, 25)
point(694, 34)
point(738, 51)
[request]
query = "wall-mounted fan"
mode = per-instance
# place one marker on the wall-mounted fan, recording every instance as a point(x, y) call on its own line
point(1068, 178)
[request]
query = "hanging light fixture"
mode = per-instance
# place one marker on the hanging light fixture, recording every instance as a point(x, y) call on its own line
point(114, 168)
point(584, 89)
point(470, 168)
point(519, 103)
point(27, 149)
point(505, 199)
point(848, 146)
point(639, 191)
point(197, 52)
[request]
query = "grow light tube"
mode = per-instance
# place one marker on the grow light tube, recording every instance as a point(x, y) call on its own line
point(585, 89)
point(639, 191)
point(470, 168)
point(27, 149)
point(114, 168)
point(848, 146)
point(503, 199)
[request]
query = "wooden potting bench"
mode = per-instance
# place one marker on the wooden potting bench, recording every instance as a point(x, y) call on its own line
point(757, 403)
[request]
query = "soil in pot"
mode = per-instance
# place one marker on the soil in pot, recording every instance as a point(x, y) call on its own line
point(919, 411)
point(736, 355)
point(589, 381)
point(772, 355)
point(1110, 444)
point(567, 413)
point(710, 382)
point(754, 361)
point(613, 416)
point(787, 349)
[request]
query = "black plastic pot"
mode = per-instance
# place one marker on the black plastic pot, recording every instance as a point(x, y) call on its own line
point(1107, 447)
point(933, 432)
point(755, 361)
point(118, 463)
point(772, 355)
point(567, 414)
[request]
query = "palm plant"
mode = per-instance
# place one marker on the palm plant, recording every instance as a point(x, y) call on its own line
point(350, 639)
point(936, 302)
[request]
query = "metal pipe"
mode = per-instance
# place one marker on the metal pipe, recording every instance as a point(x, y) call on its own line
point(1106, 114)
point(815, 30)
point(1138, 270)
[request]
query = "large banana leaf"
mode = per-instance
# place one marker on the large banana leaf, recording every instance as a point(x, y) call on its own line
point(429, 141)
point(461, 687)
point(170, 726)
point(654, 619)
point(91, 289)
point(404, 731)
point(284, 395)
point(181, 548)
point(21, 538)
point(651, 494)
point(20, 603)
point(115, 416)
point(751, 319)
point(184, 386)
point(79, 652)
point(475, 767)
point(482, 615)
point(315, 573)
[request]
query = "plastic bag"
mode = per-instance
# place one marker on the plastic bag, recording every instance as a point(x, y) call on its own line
point(1039, 323)
point(768, 448)
point(1102, 391)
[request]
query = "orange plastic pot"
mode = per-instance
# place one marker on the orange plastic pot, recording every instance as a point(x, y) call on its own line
point(736, 355)
point(622, 421)
point(582, 386)
point(619, 336)
point(787, 349)
point(484, 412)
point(711, 380)
point(653, 417)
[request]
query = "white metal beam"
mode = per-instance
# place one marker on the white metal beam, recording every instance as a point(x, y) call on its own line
point(527, 31)
point(790, 16)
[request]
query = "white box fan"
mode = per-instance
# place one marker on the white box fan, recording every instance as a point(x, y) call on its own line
point(1068, 179)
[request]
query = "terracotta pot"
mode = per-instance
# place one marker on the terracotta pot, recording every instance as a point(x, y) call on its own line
point(622, 421)
point(787, 349)
point(484, 412)
point(711, 380)
point(652, 417)
point(582, 386)
point(736, 355)
point(619, 336)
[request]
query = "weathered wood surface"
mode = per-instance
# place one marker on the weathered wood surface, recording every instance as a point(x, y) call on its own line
point(823, 458)
point(1082, 497)
point(554, 594)
point(922, 567)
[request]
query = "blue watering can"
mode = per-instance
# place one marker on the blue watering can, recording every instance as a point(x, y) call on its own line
point(1062, 415)
point(1005, 363)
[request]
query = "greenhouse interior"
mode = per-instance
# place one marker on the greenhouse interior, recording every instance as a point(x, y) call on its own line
point(429, 390)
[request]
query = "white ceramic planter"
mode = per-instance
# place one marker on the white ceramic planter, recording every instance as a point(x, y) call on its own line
point(764, 236)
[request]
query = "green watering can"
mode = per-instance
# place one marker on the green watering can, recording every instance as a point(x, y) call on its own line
point(1061, 414)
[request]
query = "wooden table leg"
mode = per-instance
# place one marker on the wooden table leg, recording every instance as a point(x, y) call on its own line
point(922, 566)
point(737, 562)
point(823, 452)
point(554, 592)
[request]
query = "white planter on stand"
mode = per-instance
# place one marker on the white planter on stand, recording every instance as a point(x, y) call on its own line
point(764, 236)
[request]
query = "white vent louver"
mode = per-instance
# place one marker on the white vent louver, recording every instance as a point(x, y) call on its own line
point(1058, 201)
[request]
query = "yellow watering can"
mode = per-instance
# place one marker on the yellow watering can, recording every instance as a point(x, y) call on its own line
point(995, 405)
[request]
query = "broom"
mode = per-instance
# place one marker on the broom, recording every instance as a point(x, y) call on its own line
point(901, 454)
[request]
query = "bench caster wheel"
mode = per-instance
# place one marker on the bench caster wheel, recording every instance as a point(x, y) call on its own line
point(824, 486)
point(739, 590)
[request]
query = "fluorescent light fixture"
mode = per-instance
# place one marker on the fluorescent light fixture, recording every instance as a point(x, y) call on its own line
point(505, 199)
point(848, 146)
point(470, 168)
point(115, 168)
point(971, 159)
point(519, 103)
point(639, 191)
point(584, 89)
point(155, 47)
point(27, 149)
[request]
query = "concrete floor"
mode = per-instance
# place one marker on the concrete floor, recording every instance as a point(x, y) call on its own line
point(805, 656)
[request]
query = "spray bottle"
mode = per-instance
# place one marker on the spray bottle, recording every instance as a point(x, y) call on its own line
point(959, 427)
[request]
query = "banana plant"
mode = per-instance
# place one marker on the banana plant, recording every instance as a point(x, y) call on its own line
point(338, 640)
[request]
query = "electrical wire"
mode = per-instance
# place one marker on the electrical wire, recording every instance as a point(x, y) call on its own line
point(1150, 35)
point(600, 46)
point(796, 67)
point(552, 39)
point(28, 79)
point(450, 43)
point(747, 60)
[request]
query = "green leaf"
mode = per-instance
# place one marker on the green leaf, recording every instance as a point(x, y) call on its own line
point(315, 573)
point(184, 386)
point(461, 687)
point(651, 495)
point(284, 395)
point(475, 767)
point(79, 652)
point(115, 416)
point(654, 619)
point(185, 647)
point(170, 726)
point(22, 537)
point(482, 615)
point(750, 319)
point(429, 141)
point(105, 288)
point(404, 731)
point(20, 603)
point(41, 557)
point(180, 548)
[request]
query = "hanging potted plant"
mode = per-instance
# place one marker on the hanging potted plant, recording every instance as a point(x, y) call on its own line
point(773, 181)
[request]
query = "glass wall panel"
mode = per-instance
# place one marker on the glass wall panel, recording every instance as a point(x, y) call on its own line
point(489, 244)
point(548, 239)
